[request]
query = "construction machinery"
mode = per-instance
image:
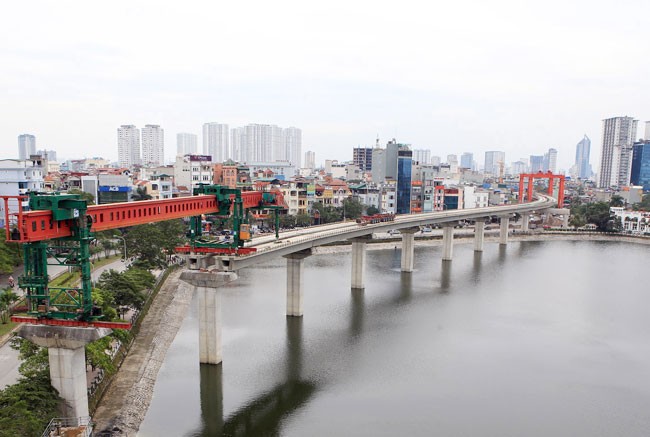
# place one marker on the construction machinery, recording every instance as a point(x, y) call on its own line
point(58, 229)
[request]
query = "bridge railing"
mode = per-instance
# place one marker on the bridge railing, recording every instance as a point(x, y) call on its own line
point(401, 220)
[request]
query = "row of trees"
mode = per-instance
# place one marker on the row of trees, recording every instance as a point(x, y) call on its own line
point(597, 213)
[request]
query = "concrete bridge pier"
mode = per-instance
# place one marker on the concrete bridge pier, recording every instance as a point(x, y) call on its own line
point(408, 246)
point(479, 235)
point(525, 217)
point(503, 234)
point(295, 263)
point(358, 262)
point(206, 285)
point(447, 241)
point(67, 358)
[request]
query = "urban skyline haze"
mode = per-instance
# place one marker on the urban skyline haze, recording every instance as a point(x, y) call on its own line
point(470, 77)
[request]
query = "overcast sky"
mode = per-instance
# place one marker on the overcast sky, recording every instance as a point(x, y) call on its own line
point(517, 76)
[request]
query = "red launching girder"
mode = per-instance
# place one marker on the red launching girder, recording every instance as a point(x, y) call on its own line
point(551, 185)
point(40, 225)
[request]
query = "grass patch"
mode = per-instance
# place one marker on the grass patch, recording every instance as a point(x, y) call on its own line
point(102, 262)
point(65, 279)
point(5, 328)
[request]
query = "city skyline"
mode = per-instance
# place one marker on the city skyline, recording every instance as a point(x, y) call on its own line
point(479, 90)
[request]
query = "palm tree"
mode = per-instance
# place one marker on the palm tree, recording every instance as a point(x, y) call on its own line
point(141, 194)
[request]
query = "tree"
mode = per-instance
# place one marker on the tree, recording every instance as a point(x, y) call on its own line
point(372, 210)
point(152, 243)
point(7, 299)
point(122, 288)
point(352, 208)
point(141, 194)
point(597, 213)
point(10, 255)
point(617, 201)
point(303, 220)
point(27, 406)
point(644, 205)
point(327, 214)
point(84, 195)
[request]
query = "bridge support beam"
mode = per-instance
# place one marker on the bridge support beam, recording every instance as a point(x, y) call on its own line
point(358, 262)
point(209, 326)
point(479, 235)
point(295, 263)
point(525, 217)
point(503, 234)
point(447, 241)
point(207, 285)
point(408, 246)
point(67, 358)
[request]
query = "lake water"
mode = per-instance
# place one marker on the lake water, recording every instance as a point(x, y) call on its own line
point(532, 339)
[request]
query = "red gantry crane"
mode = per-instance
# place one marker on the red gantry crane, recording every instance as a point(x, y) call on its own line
point(54, 218)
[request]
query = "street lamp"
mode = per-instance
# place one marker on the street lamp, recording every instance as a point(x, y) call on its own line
point(123, 240)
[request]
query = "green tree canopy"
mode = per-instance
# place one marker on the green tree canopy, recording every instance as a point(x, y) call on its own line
point(9, 254)
point(84, 195)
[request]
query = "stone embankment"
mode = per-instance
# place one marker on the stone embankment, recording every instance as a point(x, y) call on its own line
point(126, 401)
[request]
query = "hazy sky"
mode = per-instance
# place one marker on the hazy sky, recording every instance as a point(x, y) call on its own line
point(518, 76)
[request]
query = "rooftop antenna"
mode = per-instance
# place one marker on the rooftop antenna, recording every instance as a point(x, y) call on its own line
point(377, 142)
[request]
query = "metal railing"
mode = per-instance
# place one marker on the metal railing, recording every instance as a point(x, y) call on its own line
point(60, 425)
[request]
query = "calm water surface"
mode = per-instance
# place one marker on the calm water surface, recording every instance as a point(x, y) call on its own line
point(536, 339)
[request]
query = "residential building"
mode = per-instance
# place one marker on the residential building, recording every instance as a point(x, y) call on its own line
point(292, 137)
point(618, 136)
point(536, 163)
point(422, 156)
point(216, 141)
point(49, 155)
point(191, 170)
point(18, 177)
point(310, 160)
point(153, 145)
point(226, 174)
point(583, 149)
point(378, 165)
point(186, 144)
point(128, 146)
point(494, 162)
point(362, 158)
point(26, 146)
point(467, 160)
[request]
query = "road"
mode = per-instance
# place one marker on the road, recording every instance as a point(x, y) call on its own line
point(9, 361)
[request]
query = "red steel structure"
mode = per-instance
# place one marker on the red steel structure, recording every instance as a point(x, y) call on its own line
point(40, 225)
point(530, 177)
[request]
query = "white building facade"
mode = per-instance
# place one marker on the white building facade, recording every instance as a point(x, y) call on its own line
point(216, 141)
point(153, 145)
point(186, 144)
point(128, 146)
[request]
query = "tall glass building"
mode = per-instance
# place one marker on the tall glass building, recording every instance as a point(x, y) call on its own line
point(640, 174)
point(404, 166)
point(583, 149)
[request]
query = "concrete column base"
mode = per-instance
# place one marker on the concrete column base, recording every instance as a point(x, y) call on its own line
point(67, 358)
point(447, 242)
point(525, 217)
point(295, 262)
point(503, 235)
point(209, 325)
point(358, 263)
point(408, 248)
point(207, 285)
point(479, 235)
